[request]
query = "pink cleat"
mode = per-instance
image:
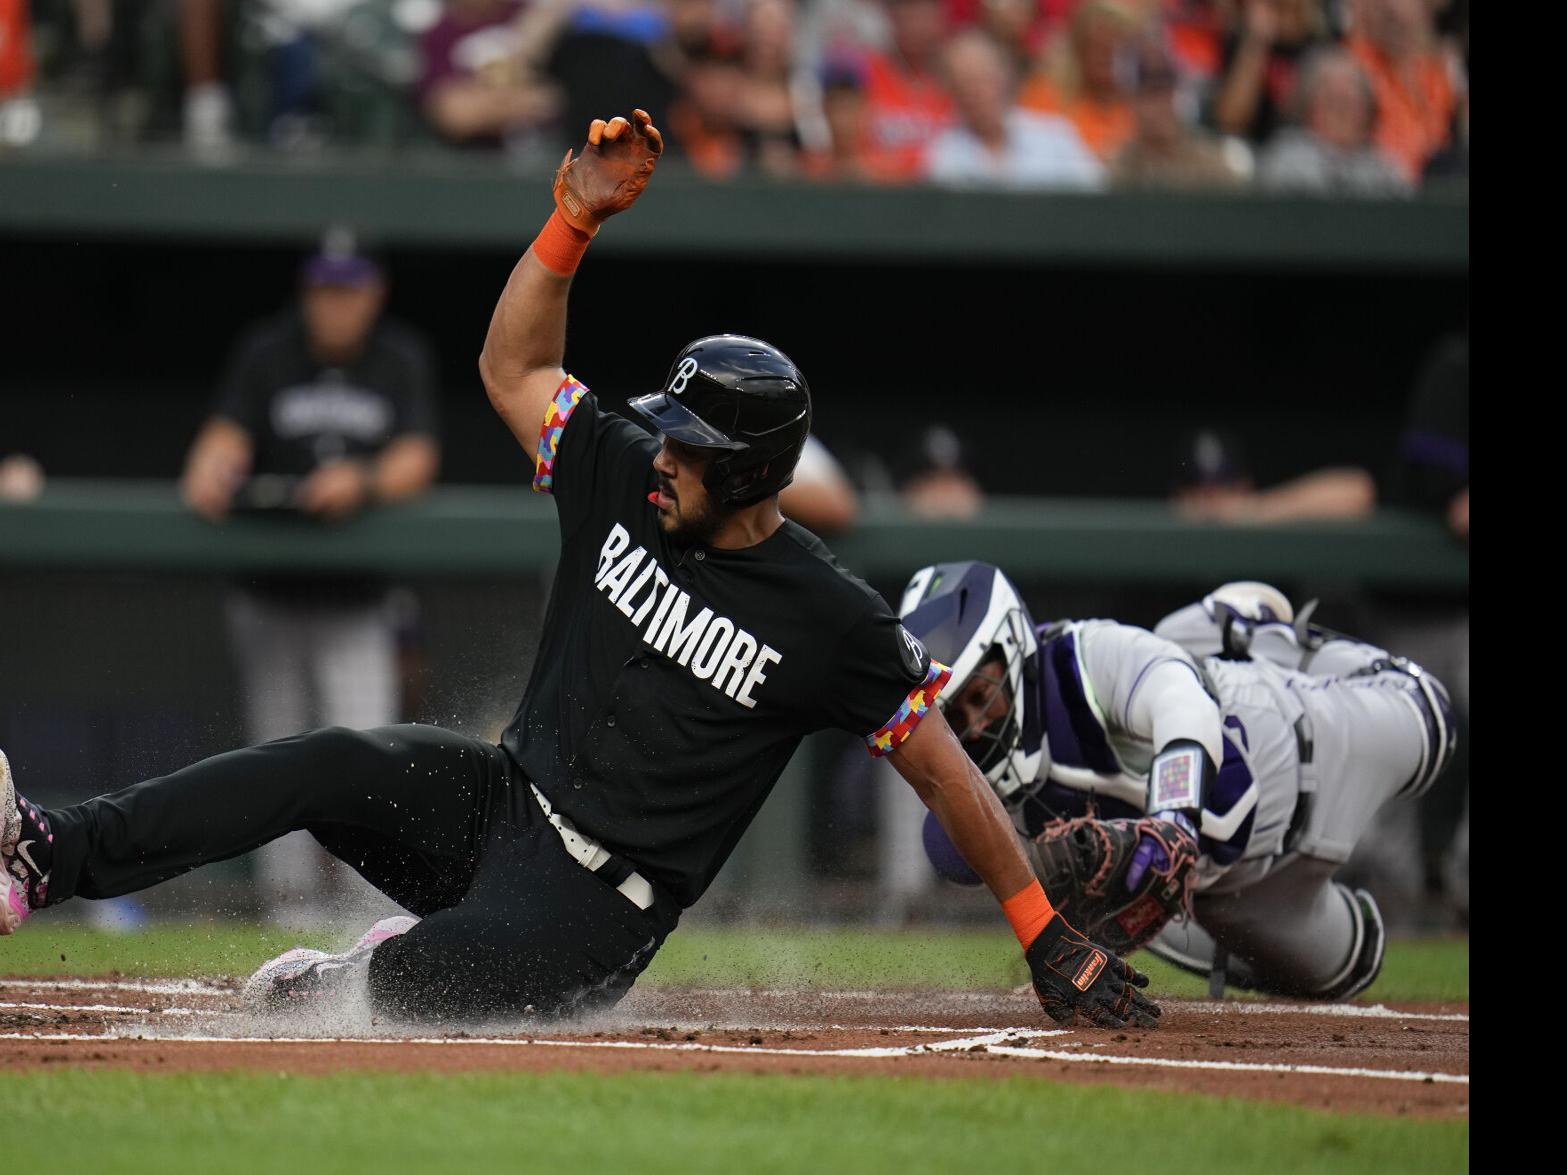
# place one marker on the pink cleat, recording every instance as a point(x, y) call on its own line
point(304, 975)
point(25, 839)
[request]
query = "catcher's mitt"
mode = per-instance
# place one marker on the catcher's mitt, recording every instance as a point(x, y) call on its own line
point(1083, 865)
point(610, 173)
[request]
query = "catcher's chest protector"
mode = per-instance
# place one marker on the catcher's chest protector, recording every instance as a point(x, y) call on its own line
point(1075, 738)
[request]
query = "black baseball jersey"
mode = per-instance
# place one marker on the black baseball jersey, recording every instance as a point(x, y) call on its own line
point(301, 412)
point(674, 682)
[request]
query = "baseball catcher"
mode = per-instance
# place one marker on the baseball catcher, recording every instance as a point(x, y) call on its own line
point(693, 637)
point(1191, 789)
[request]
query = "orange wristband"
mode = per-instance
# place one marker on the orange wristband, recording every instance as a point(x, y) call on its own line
point(560, 245)
point(1028, 910)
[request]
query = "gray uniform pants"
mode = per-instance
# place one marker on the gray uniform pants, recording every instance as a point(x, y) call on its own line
point(1278, 908)
point(1392, 858)
point(301, 666)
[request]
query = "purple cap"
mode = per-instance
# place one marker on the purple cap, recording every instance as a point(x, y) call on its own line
point(340, 261)
point(341, 269)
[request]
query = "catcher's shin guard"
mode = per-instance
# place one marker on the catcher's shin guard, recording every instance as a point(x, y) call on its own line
point(1365, 956)
point(1185, 944)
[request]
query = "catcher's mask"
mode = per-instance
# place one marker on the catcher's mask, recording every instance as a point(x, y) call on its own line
point(970, 616)
point(744, 399)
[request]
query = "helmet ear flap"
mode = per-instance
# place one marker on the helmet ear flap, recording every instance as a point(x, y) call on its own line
point(736, 489)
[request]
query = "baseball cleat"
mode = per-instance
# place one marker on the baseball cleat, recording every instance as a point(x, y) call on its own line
point(304, 975)
point(384, 929)
point(1261, 603)
point(10, 816)
point(24, 840)
point(290, 976)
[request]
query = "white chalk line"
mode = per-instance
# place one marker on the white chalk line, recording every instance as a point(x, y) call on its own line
point(963, 1044)
point(1243, 1007)
point(1233, 1066)
point(1353, 1011)
point(1247, 1007)
point(119, 1009)
point(991, 1043)
point(146, 986)
point(707, 1025)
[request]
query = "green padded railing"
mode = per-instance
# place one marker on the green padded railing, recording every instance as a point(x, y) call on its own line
point(469, 531)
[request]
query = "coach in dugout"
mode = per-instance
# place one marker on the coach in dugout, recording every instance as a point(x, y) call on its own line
point(693, 638)
point(325, 409)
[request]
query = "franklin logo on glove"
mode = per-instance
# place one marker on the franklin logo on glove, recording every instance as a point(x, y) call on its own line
point(1085, 977)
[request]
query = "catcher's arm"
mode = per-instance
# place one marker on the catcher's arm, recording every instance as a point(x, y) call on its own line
point(1070, 974)
point(1172, 711)
point(526, 343)
point(1151, 691)
point(1148, 686)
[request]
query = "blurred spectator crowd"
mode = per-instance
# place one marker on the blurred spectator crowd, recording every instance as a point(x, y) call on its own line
point(1365, 97)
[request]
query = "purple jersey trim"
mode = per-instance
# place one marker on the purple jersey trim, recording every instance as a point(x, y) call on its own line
point(1071, 730)
point(567, 397)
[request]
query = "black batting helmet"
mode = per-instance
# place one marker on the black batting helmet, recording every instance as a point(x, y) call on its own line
point(744, 398)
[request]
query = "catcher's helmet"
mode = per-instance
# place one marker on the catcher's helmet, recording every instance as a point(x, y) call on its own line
point(964, 612)
point(744, 398)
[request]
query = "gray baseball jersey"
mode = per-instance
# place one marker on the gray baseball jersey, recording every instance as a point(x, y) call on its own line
point(1311, 738)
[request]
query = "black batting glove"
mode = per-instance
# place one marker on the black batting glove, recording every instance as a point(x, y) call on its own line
point(1072, 975)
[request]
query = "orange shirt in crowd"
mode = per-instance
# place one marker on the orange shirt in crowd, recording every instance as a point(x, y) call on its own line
point(1104, 127)
point(1414, 106)
point(16, 58)
point(903, 113)
point(1197, 46)
point(716, 154)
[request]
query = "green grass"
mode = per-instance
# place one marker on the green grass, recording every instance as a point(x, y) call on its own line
point(111, 1122)
point(198, 948)
point(1428, 969)
point(118, 1123)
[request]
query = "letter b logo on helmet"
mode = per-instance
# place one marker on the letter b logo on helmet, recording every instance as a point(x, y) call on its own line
point(682, 375)
point(743, 398)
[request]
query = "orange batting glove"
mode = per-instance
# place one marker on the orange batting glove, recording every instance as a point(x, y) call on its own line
point(610, 173)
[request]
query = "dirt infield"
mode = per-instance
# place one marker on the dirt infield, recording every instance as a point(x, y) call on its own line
point(1409, 1060)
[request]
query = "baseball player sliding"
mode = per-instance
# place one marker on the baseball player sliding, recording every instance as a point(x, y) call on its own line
point(693, 638)
point(1221, 766)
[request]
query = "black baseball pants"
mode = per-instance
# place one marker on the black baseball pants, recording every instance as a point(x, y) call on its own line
point(443, 824)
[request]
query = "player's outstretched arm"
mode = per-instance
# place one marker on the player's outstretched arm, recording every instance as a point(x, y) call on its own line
point(1070, 973)
point(217, 464)
point(526, 343)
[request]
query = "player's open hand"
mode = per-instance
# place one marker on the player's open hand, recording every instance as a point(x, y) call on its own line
point(611, 172)
point(1072, 975)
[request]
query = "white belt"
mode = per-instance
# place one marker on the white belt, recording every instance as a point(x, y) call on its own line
point(592, 856)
